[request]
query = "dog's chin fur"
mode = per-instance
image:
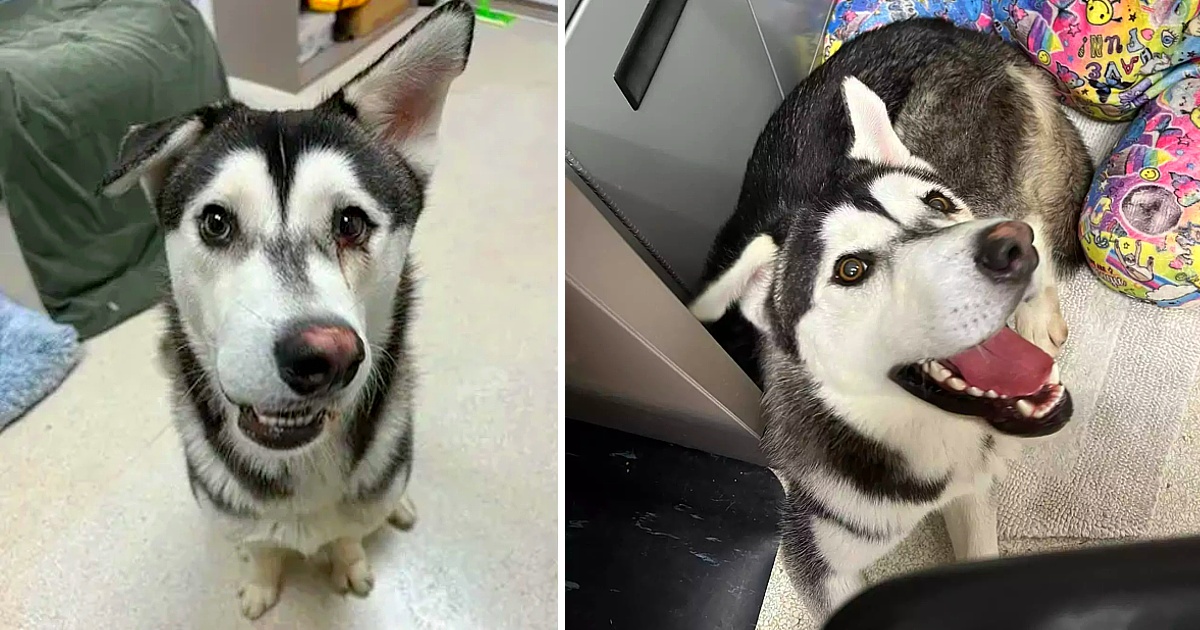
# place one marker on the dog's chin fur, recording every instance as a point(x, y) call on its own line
point(862, 471)
point(359, 465)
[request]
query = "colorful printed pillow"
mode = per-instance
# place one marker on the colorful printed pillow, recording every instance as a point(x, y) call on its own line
point(1140, 226)
point(1110, 56)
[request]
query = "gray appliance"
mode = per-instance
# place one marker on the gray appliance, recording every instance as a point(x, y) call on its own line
point(664, 101)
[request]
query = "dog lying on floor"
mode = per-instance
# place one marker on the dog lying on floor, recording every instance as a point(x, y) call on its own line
point(906, 200)
point(287, 239)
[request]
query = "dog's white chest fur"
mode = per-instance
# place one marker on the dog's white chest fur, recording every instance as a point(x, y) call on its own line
point(315, 515)
point(306, 532)
point(935, 446)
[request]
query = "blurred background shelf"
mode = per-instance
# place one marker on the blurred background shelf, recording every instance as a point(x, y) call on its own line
point(261, 41)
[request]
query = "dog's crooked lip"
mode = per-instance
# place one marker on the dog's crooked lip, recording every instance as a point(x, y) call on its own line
point(281, 429)
point(1041, 413)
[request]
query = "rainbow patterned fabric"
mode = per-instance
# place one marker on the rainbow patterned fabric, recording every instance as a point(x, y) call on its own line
point(1141, 223)
point(1110, 56)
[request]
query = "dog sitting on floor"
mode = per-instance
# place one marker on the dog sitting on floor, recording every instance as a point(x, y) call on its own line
point(287, 237)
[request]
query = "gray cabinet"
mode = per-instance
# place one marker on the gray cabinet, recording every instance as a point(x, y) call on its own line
point(665, 171)
point(673, 167)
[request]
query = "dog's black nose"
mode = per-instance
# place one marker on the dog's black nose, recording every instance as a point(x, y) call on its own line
point(1005, 252)
point(318, 356)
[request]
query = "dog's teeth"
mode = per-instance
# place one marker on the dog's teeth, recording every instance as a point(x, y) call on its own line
point(1025, 407)
point(1043, 410)
point(1054, 378)
point(927, 367)
point(991, 393)
point(974, 391)
point(955, 383)
point(939, 371)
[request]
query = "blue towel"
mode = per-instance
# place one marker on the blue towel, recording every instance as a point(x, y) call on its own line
point(35, 356)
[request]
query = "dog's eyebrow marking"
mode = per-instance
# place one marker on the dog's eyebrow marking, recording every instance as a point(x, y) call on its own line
point(903, 197)
point(288, 259)
point(851, 228)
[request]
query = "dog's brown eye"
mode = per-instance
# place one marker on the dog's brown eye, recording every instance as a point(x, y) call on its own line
point(939, 203)
point(351, 226)
point(217, 225)
point(850, 270)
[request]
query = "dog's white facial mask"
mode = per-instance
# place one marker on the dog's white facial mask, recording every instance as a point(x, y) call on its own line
point(893, 273)
point(279, 220)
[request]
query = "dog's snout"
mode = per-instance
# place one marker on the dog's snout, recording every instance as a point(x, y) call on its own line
point(1005, 251)
point(317, 357)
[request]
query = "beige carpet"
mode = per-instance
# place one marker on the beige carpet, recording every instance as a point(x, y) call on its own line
point(1127, 468)
point(100, 530)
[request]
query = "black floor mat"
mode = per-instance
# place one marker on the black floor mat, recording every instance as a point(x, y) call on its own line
point(664, 537)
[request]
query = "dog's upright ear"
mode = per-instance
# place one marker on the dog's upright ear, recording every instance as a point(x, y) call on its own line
point(399, 98)
point(149, 151)
point(875, 140)
point(747, 282)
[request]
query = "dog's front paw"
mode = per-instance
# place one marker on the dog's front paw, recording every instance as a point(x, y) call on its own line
point(355, 577)
point(1041, 323)
point(404, 516)
point(257, 598)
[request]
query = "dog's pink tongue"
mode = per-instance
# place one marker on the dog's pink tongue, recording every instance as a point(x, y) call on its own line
point(1005, 363)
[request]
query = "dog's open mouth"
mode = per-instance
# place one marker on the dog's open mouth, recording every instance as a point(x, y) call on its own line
point(1007, 381)
point(282, 430)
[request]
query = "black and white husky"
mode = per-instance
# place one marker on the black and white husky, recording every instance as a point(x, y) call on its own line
point(287, 237)
point(914, 194)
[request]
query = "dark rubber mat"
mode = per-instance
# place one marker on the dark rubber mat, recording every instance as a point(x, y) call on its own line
point(663, 537)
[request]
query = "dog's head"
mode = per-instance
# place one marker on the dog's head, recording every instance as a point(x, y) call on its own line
point(891, 285)
point(287, 232)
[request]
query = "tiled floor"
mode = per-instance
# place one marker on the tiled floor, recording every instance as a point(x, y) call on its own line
point(98, 528)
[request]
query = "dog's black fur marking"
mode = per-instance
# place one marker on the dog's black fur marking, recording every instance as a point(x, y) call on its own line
point(399, 459)
point(989, 445)
point(197, 392)
point(287, 258)
point(282, 138)
point(392, 358)
point(197, 485)
point(805, 431)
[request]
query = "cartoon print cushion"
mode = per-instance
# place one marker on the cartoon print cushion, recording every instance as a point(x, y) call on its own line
point(1140, 226)
point(1110, 56)
point(852, 17)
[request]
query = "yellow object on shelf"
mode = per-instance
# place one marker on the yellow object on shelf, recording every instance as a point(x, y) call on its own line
point(329, 6)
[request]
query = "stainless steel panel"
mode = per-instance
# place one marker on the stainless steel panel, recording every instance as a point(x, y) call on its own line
point(636, 359)
point(674, 167)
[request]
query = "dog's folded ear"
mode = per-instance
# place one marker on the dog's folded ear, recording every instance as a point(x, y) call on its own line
point(747, 282)
point(399, 98)
point(149, 151)
point(875, 140)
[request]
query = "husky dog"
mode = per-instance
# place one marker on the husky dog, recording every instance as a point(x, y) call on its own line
point(907, 199)
point(287, 238)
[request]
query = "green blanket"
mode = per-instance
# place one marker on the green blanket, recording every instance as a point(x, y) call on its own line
point(74, 75)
